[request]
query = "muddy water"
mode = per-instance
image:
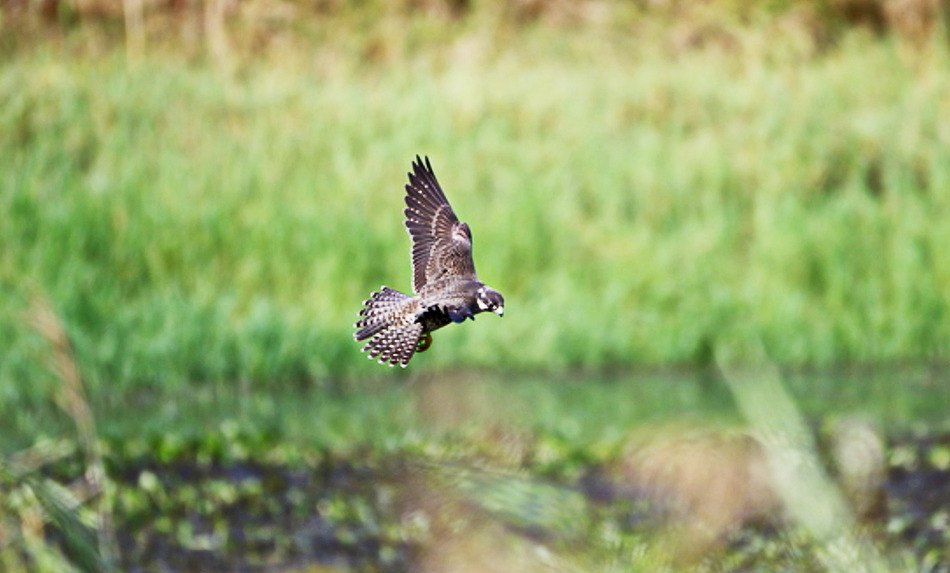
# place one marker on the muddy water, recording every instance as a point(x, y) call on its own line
point(394, 513)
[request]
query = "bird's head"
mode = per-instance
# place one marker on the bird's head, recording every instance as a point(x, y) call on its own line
point(489, 299)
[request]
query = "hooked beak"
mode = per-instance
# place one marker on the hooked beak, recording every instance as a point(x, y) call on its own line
point(500, 311)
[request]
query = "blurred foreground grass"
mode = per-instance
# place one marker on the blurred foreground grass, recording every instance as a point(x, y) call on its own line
point(635, 206)
point(476, 474)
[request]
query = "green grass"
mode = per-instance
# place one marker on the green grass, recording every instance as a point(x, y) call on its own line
point(635, 206)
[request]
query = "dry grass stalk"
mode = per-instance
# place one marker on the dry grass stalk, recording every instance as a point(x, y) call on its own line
point(707, 484)
point(456, 535)
point(73, 400)
point(216, 32)
point(42, 454)
point(809, 497)
point(134, 12)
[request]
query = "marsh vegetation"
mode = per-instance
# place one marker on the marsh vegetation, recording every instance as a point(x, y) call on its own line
point(204, 194)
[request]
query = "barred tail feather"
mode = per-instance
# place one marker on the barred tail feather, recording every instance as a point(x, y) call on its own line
point(378, 312)
point(389, 324)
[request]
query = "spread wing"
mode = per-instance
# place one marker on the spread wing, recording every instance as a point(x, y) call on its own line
point(441, 244)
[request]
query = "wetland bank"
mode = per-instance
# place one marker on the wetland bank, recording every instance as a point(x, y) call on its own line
point(437, 472)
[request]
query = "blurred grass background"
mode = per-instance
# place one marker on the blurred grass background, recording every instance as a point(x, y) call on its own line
point(205, 191)
point(211, 203)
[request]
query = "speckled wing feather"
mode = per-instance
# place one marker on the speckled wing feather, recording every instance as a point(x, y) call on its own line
point(441, 244)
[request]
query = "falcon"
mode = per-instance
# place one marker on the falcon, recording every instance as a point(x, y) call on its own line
point(446, 290)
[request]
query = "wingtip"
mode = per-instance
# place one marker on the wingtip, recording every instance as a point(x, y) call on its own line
point(421, 165)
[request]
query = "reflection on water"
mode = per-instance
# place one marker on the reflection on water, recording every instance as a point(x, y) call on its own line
point(389, 410)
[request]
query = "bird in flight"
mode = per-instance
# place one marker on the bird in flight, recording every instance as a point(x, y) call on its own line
point(446, 288)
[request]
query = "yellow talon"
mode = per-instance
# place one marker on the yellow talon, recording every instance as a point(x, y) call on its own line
point(425, 341)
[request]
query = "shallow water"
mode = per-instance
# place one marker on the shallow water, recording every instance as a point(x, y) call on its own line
point(387, 410)
point(407, 406)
